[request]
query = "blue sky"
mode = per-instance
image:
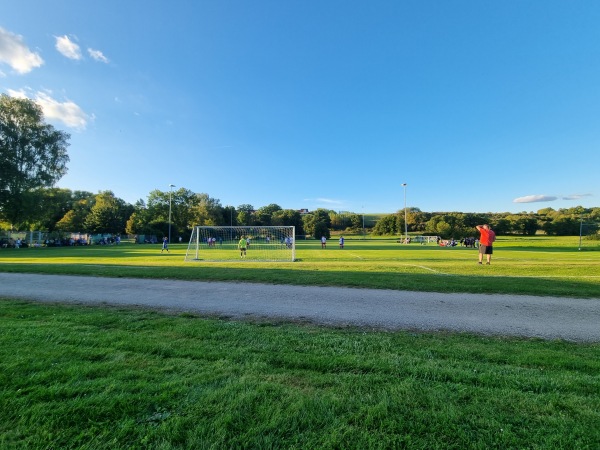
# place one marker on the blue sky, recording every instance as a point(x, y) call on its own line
point(477, 106)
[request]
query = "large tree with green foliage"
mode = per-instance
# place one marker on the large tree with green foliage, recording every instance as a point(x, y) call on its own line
point(245, 214)
point(207, 211)
point(317, 223)
point(387, 225)
point(62, 209)
point(33, 155)
point(288, 217)
point(108, 215)
point(264, 214)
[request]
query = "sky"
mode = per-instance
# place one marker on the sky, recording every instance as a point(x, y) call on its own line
point(477, 106)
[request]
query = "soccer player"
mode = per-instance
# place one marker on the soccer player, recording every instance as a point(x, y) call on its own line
point(341, 241)
point(323, 242)
point(243, 245)
point(165, 245)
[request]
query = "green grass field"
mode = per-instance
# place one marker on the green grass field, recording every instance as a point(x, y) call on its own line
point(534, 266)
point(76, 377)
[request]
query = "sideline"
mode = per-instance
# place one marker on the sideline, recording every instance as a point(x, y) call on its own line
point(569, 319)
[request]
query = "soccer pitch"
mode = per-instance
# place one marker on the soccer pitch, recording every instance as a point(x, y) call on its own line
point(536, 265)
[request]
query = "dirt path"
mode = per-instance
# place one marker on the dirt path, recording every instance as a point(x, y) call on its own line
point(527, 316)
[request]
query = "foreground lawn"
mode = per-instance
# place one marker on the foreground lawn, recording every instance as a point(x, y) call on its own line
point(97, 378)
point(521, 265)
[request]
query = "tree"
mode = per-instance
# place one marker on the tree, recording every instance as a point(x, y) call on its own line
point(288, 217)
point(183, 204)
point(563, 226)
point(416, 220)
point(318, 221)
point(387, 225)
point(207, 211)
point(321, 229)
point(356, 222)
point(54, 204)
point(526, 225)
point(500, 225)
point(68, 222)
point(33, 155)
point(229, 215)
point(245, 213)
point(437, 225)
point(74, 219)
point(264, 214)
point(108, 215)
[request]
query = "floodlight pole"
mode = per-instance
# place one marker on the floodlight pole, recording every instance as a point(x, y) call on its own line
point(363, 214)
point(171, 186)
point(580, 232)
point(405, 222)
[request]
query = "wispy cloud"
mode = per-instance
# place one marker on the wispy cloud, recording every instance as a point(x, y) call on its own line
point(329, 201)
point(323, 202)
point(576, 196)
point(535, 198)
point(67, 112)
point(97, 55)
point(549, 198)
point(67, 47)
point(16, 54)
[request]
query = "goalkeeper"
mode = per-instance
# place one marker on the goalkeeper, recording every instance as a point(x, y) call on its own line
point(243, 245)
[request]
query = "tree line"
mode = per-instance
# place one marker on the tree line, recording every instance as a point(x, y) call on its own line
point(63, 211)
point(458, 225)
point(33, 157)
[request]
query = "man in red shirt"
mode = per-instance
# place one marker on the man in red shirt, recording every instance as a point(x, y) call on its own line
point(486, 241)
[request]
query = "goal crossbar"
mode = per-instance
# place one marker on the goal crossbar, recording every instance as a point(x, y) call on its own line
point(222, 243)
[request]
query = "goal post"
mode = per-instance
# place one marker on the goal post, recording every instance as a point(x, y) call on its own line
point(221, 243)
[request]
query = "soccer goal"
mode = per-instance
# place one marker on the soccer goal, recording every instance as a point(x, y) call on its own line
point(222, 244)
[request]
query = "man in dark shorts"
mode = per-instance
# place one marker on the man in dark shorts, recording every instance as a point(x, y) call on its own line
point(242, 246)
point(486, 241)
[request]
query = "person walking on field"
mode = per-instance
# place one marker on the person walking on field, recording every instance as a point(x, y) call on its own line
point(486, 241)
point(243, 245)
point(342, 242)
point(165, 245)
point(323, 242)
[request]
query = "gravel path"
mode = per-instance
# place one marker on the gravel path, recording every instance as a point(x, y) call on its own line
point(527, 316)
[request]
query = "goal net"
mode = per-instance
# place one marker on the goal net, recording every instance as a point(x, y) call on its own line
point(222, 244)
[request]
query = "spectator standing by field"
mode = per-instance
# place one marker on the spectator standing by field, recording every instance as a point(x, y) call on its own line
point(486, 241)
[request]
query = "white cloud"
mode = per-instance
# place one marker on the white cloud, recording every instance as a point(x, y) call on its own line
point(97, 55)
point(535, 198)
point(576, 196)
point(67, 47)
point(329, 201)
point(16, 54)
point(16, 94)
point(548, 198)
point(67, 112)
